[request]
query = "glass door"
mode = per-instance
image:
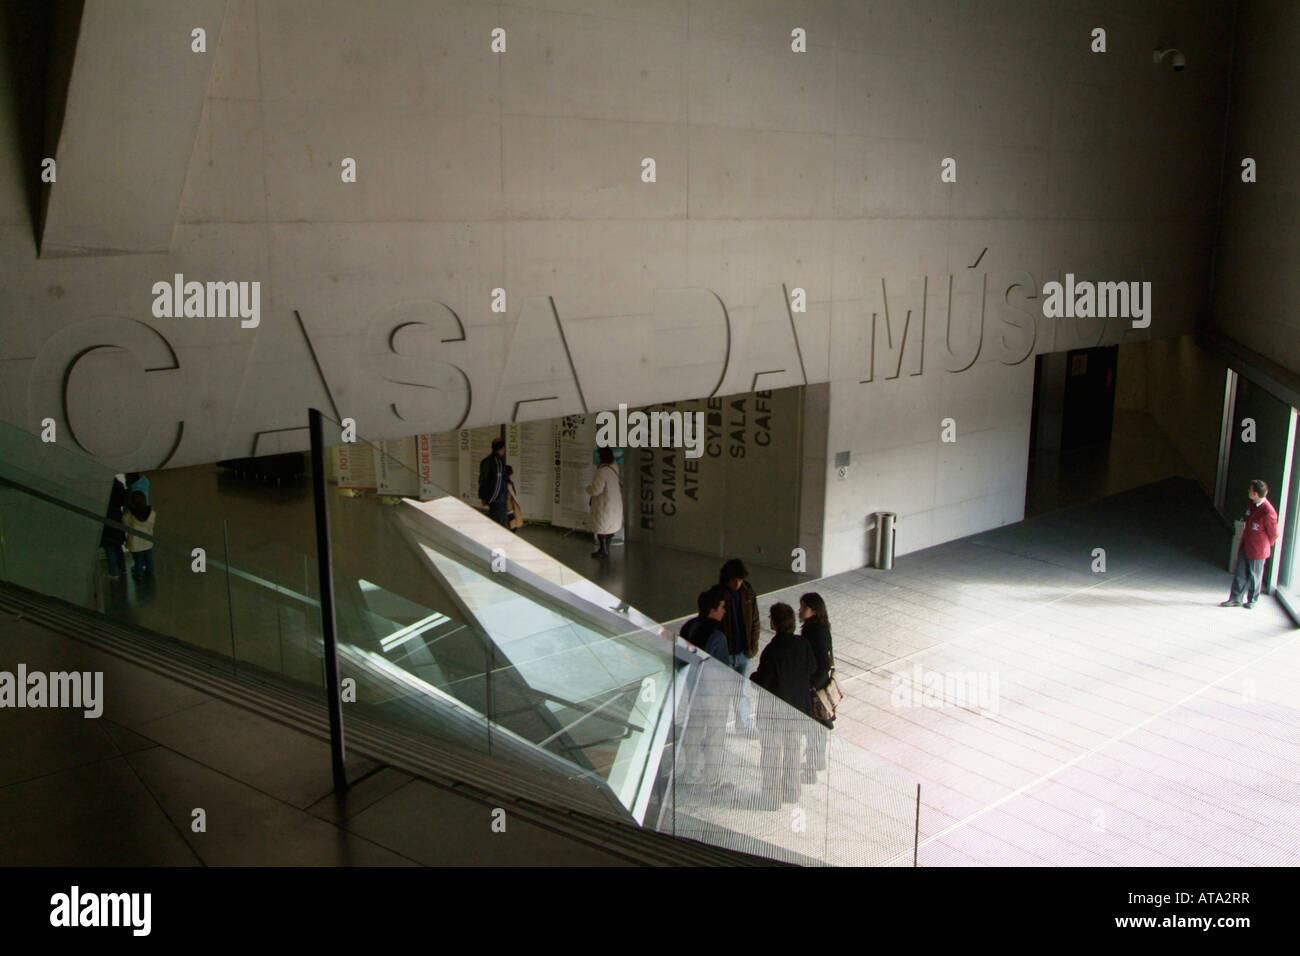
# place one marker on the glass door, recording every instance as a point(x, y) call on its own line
point(1259, 447)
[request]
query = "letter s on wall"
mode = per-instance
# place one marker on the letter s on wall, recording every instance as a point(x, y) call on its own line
point(1031, 326)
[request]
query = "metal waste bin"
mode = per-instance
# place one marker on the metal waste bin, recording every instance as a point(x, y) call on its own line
point(884, 552)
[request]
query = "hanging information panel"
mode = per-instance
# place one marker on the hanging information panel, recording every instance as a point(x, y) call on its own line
point(438, 464)
point(530, 451)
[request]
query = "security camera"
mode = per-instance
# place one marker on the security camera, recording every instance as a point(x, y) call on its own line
point(1176, 58)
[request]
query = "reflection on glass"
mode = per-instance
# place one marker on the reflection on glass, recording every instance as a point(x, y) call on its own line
point(451, 629)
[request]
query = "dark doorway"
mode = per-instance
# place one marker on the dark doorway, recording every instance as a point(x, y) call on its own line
point(1075, 453)
point(1088, 402)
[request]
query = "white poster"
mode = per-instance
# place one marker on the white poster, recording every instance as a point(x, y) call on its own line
point(530, 451)
point(575, 445)
point(395, 467)
point(438, 465)
point(356, 465)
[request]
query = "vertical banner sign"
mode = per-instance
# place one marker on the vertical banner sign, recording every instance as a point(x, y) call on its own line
point(575, 437)
point(530, 450)
point(762, 463)
point(395, 468)
point(438, 465)
point(473, 445)
point(740, 498)
point(356, 465)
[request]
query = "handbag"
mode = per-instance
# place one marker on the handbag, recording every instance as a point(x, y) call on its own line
point(827, 699)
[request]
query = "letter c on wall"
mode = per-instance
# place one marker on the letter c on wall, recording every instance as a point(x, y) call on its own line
point(91, 377)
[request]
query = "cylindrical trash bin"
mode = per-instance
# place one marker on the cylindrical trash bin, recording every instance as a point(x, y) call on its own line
point(884, 553)
point(1238, 527)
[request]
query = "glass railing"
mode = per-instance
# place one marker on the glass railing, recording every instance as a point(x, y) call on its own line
point(451, 629)
point(545, 656)
point(466, 609)
point(792, 790)
point(236, 599)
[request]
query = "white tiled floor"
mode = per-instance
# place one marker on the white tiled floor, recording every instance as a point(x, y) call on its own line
point(1135, 722)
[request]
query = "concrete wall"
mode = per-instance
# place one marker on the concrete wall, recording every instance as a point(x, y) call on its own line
point(522, 171)
point(1257, 284)
point(1180, 385)
point(900, 462)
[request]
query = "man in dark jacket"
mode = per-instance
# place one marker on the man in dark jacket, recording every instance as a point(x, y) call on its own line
point(705, 630)
point(493, 489)
point(741, 628)
point(112, 539)
point(703, 746)
point(785, 670)
point(1257, 542)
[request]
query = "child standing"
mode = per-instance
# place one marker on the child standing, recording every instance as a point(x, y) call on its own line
point(140, 519)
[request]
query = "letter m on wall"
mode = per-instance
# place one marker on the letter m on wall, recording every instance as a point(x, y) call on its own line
point(895, 323)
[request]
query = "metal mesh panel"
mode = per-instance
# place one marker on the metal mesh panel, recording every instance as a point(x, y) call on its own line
point(790, 790)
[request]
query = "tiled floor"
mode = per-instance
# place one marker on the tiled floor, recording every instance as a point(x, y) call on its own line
point(1124, 718)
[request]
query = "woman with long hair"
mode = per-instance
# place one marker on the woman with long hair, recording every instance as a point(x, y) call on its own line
point(817, 632)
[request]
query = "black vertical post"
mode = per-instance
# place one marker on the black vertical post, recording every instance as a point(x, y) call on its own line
point(325, 568)
point(916, 834)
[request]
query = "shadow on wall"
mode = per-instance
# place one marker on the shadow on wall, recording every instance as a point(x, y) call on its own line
point(39, 41)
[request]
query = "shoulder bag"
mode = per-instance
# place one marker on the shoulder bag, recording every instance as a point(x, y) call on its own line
point(827, 699)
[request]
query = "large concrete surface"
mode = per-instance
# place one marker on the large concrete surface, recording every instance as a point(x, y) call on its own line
point(522, 171)
point(1255, 282)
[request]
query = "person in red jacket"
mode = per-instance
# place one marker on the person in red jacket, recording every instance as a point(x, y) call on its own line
point(1256, 545)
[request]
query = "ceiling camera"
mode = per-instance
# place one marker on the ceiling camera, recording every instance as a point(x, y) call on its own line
point(1176, 58)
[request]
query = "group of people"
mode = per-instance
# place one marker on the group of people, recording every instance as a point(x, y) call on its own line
point(796, 663)
point(128, 504)
point(496, 492)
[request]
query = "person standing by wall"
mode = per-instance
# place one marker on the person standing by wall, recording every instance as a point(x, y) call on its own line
point(112, 539)
point(1256, 545)
point(140, 520)
point(786, 671)
point(137, 482)
point(514, 514)
point(493, 489)
point(606, 502)
point(741, 628)
point(817, 632)
point(704, 747)
point(705, 630)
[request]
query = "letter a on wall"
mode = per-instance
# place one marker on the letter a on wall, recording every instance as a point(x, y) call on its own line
point(538, 380)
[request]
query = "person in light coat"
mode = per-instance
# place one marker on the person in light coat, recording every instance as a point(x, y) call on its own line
point(606, 503)
point(140, 518)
